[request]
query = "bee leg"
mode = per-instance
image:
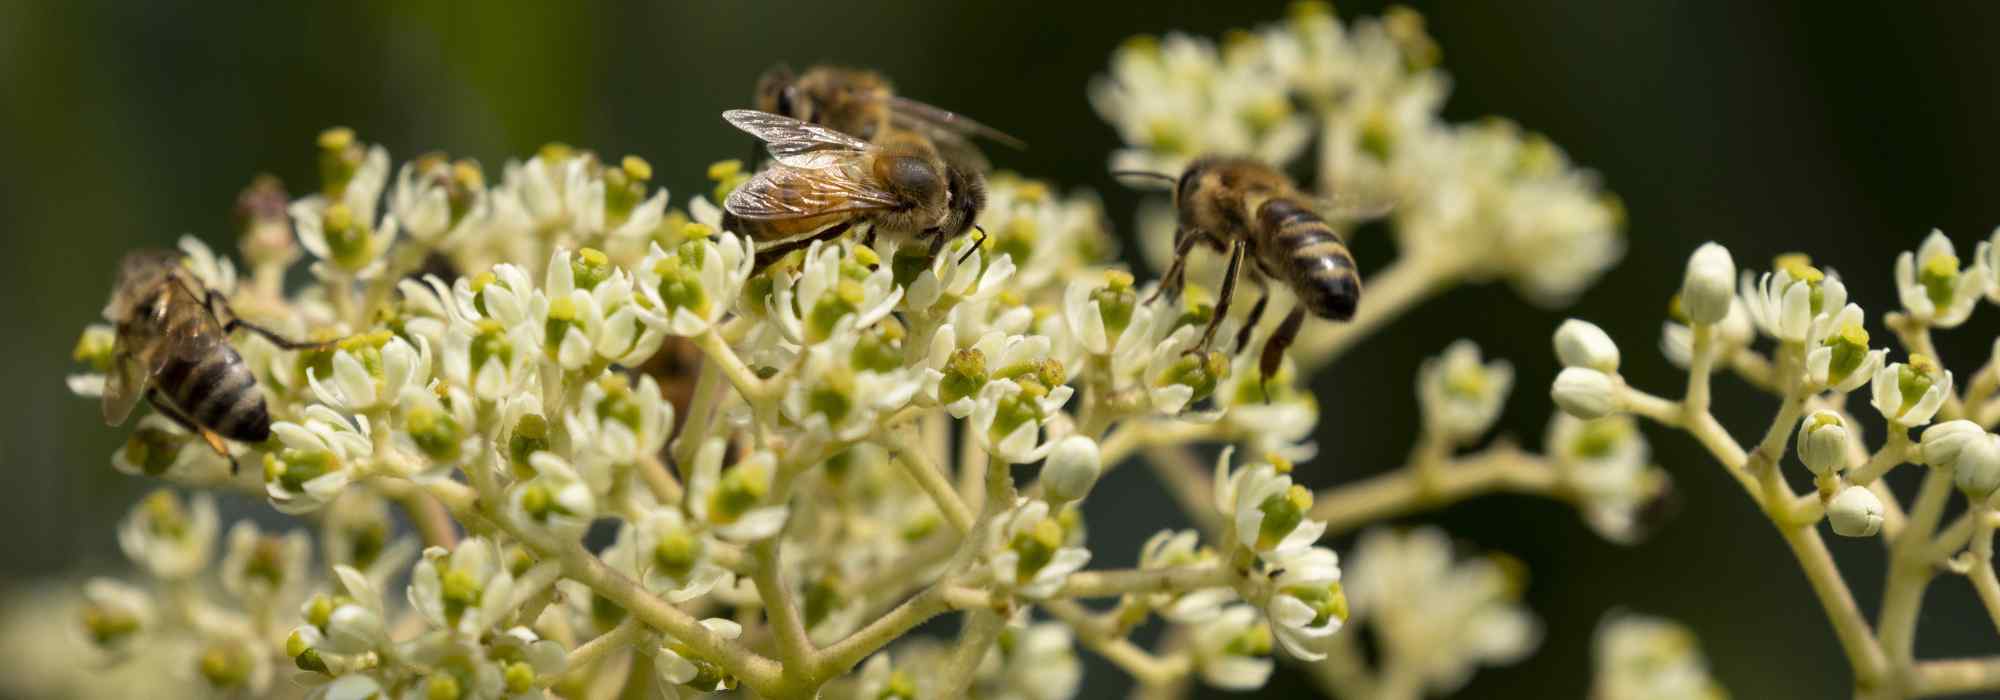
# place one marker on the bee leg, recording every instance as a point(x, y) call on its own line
point(1274, 349)
point(772, 254)
point(218, 307)
point(208, 436)
point(1250, 323)
point(1176, 271)
point(969, 250)
point(1228, 290)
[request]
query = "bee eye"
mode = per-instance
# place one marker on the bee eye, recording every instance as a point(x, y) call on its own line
point(785, 103)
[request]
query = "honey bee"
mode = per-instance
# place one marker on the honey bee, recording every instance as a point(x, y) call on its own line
point(825, 181)
point(1251, 212)
point(171, 349)
point(862, 104)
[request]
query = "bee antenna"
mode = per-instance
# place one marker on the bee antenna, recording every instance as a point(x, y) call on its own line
point(969, 250)
point(1169, 179)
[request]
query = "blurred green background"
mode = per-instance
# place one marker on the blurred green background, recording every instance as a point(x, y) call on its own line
point(1770, 127)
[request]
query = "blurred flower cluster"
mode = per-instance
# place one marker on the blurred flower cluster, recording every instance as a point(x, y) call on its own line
point(555, 432)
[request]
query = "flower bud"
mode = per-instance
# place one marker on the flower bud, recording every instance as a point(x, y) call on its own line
point(1978, 468)
point(1856, 512)
point(1585, 393)
point(1823, 443)
point(1944, 444)
point(1709, 287)
point(1071, 469)
point(1581, 343)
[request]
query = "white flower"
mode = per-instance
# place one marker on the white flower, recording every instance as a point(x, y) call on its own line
point(1071, 469)
point(1037, 662)
point(440, 430)
point(116, 615)
point(1306, 603)
point(1108, 318)
point(160, 447)
point(1932, 286)
point(588, 313)
point(958, 273)
point(1733, 333)
point(354, 623)
point(1784, 304)
point(355, 531)
point(733, 503)
point(1581, 343)
point(231, 661)
point(1232, 650)
point(1007, 419)
point(1585, 393)
point(1841, 361)
point(465, 591)
point(810, 309)
point(1823, 442)
point(216, 273)
point(551, 193)
point(1705, 291)
point(1030, 555)
point(169, 540)
point(1605, 462)
point(556, 503)
point(1910, 394)
point(370, 376)
point(265, 568)
point(672, 555)
point(614, 424)
point(317, 462)
point(1648, 658)
point(1266, 508)
point(678, 665)
point(1855, 512)
point(1167, 549)
point(1443, 618)
point(848, 379)
point(421, 200)
point(505, 294)
point(343, 234)
point(1462, 397)
point(490, 358)
point(694, 286)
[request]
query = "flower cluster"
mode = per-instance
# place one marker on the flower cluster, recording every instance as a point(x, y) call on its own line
point(631, 454)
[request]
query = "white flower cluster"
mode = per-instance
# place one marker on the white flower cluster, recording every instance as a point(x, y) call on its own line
point(797, 463)
point(1480, 200)
point(1639, 657)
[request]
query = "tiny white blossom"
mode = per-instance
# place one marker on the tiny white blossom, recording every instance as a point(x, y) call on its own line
point(1841, 361)
point(465, 591)
point(1824, 443)
point(1306, 603)
point(1461, 397)
point(1266, 509)
point(681, 668)
point(1605, 461)
point(1932, 286)
point(589, 313)
point(1909, 394)
point(1585, 393)
point(1168, 548)
point(1232, 649)
point(673, 555)
point(170, 540)
point(810, 308)
point(266, 568)
point(733, 503)
point(1071, 469)
point(1580, 343)
point(116, 616)
point(319, 459)
point(1030, 555)
point(556, 503)
point(1784, 304)
point(369, 377)
point(1639, 657)
point(216, 273)
point(1447, 617)
point(692, 287)
point(958, 273)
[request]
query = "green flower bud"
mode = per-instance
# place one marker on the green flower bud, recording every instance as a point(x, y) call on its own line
point(224, 666)
point(1036, 546)
point(442, 686)
point(530, 435)
point(107, 625)
point(491, 343)
point(1939, 276)
point(964, 375)
point(1198, 372)
point(436, 433)
point(590, 267)
point(1330, 602)
point(1255, 641)
point(1115, 302)
point(677, 552)
point(340, 156)
point(520, 677)
point(739, 490)
point(153, 450)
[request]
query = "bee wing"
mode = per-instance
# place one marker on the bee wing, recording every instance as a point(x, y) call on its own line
point(126, 380)
point(794, 142)
point(786, 192)
point(912, 114)
point(1349, 206)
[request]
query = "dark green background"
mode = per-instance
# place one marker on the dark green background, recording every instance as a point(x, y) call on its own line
point(1768, 126)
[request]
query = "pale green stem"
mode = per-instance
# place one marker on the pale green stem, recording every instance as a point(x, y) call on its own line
point(583, 660)
point(1144, 667)
point(1957, 676)
point(1896, 451)
point(1909, 572)
point(982, 628)
point(1497, 469)
point(1984, 582)
point(917, 463)
point(1700, 369)
point(694, 427)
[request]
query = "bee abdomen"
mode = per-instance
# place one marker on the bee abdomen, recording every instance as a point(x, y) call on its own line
point(1322, 270)
point(218, 391)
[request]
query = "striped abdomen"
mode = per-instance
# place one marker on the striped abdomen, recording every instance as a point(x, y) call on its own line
point(1307, 253)
point(217, 390)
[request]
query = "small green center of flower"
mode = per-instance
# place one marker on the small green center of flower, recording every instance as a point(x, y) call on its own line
point(1015, 411)
point(291, 468)
point(1850, 349)
point(490, 344)
point(340, 155)
point(1017, 239)
point(845, 298)
point(1914, 379)
point(1036, 546)
point(224, 665)
point(677, 552)
point(1330, 602)
point(562, 317)
point(908, 263)
point(442, 686)
point(1254, 640)
point(619, 403)
point(739, 490)
point(366, 541)
point(520, 677)
point(153, 450)
point(1168, 136)
point(435, 431)
point(823, 596)
point(539, 504)
point(727, 174)
point(459, 591)
point(1939, 277)
point(880, 349)
point(530, 435)
point(108, 625)
point(1282, 514)
point(164, 516)
point(318, 610)
point(1600, 438)
point(1467, 381)
point(833, 397)
point(267, 561)
point(625, 186)
point(899, 687)
point(1799, 267)
point(1198, 372)
point(1115, 302)
point(1377, 137)
point(347, 238)
point(964, 375)
point(680, 284)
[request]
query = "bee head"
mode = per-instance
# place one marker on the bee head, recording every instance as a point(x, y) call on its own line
point(967, 192)
point(777, 92)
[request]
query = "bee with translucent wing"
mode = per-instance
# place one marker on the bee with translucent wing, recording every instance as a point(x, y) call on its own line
point(172, 349)
point(861, 103)
point(1254, 214)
